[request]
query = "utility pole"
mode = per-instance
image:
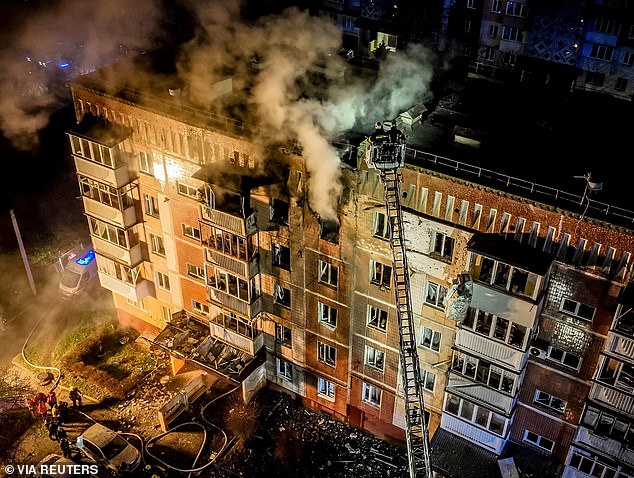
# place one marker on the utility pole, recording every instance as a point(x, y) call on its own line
point(25, 258)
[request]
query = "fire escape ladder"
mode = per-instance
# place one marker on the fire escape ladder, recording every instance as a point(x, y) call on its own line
point(416, 426)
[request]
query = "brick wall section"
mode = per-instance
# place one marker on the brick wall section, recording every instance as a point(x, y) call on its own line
point(538, 377)
point(560, 433)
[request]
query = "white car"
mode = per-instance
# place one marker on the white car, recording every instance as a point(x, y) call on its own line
point(109, 449)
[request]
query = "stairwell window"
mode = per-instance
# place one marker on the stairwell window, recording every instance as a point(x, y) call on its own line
point(284, 369)
point(435, 294)
point(430, 339)
point(328, 274)
point(428, 379)
point(538, 441)
point(371, 394)
point(163, 281)
point(377, 318)
point(327, 315)
point(325, 388)
point(577, 309)
point(374, 358)
point(442, 247)
point(156, 244)
point(380, 226)
point(326, 354)
point(380, 274)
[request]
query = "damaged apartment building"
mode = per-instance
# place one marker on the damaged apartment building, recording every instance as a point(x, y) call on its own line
point(220, 261)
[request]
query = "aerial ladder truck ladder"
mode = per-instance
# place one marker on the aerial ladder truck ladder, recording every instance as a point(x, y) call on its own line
point(387, 155)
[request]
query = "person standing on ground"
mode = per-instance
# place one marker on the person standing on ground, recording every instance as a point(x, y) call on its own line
point(52, 431)
point(42, 410)
point(51, 399)
point(67, 449)
point(75, 396)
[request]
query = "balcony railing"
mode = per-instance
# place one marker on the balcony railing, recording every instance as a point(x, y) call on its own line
point(472, 433)
point(135, 292)
point(242, 268)
point(234, 304)
point(122, 218)
point(620, 345)
point(479, 392)
point(246, 344)
point(116, 177)
point(622, 401)
point(494, 351)
point(234, 224)
point(605, 445)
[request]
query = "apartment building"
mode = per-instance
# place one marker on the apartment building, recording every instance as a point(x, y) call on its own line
point(217, 256)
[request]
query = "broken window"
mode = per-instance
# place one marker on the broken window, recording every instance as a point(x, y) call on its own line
point(371, 394)
point(377, 318)
point(283, 335)
point(282, 296)
point(380, 225)
point(326, 354)
point(381, 274)
point(328, 274)
point(430, 339)
point(329, 230)
point(327, 314)
point(281, 256)
point(374, 358)
point(435, 294)
point(325, 388)
point(279, 212)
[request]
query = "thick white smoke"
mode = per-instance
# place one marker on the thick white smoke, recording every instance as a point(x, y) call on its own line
point(290, 47)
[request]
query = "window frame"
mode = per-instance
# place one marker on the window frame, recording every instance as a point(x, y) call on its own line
point(280, 256)
point(326, 389)
point(327, 315)
point(326, 354)
point(283, 335)
point(199, 307)
point(284, 369)
point(327, 274)
point(537, 442)
point(572, 308)
point(379, 313)
point(280, 299)
point(547, 401)
point(432, 336)
point(163, 281)
point(435, 293)
point(374, 358)
point(381, 274)
point(371, 394)
point(157, 245)
point(190, 232)
point(380, 225)
point(442, 247)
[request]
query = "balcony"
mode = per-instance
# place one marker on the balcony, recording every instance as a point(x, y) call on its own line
point(472, 433)
point(605, 445)
point(246, 344)
point(495, 351)
point(135, 292)
point(502, 304)
point(622, 401)
point(242, 268)
point(620, 345)
point(117, 176)
point(480, 393)
point(234, 304)
point(122, 218)
point(232, 223)
point(130, 257)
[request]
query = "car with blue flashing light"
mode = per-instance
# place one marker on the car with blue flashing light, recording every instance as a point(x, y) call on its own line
point(109, 449)
point(78, 272)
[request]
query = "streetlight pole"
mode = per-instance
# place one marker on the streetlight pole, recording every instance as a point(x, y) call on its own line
point(25, 258)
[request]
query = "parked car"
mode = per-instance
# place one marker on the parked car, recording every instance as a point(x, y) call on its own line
point(109, 449)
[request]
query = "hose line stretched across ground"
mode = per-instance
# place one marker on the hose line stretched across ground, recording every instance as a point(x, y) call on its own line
point(41, 367)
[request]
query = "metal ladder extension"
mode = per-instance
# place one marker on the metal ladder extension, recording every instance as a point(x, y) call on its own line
point(416, 426)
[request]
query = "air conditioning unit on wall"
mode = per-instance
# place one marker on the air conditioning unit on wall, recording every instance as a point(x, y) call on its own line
point(539, 353)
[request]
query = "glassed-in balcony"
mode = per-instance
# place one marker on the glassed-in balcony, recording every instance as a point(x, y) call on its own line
point(114, 242)
point(126, 281)
point(229, 251)
point(99, 151)
point(232, 292)
point(105, 202)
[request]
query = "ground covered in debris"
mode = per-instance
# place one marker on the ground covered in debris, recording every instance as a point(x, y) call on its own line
point(292, 441)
